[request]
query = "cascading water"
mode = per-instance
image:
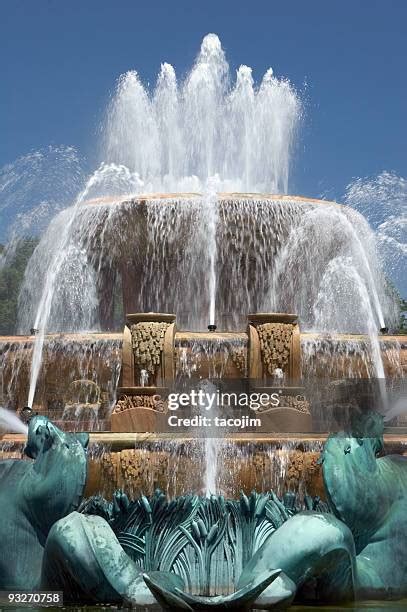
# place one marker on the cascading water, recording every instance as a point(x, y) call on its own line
point(156, 251)
point(79, 376)
point(341, 270)
point(343, 357)
point(334, 250)
point(14, 357)
point(324, 239)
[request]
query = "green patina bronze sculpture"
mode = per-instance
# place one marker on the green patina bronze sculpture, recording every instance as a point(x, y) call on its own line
point(36, 494)
point(193, 553)
point(368, 493)
point(189, 544)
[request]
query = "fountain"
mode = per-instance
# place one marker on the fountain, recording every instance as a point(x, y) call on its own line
point(185, 269)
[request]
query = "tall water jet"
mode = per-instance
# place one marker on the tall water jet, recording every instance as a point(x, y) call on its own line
point(181, 134)
point(209, 226)
point(212, 443)
point(44, 308)
point(60, 255)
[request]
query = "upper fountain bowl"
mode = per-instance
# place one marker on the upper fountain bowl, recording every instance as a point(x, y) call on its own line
point(214, 257)
point(235, 252)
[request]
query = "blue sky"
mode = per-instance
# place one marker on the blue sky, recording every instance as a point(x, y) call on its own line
point(60, 60)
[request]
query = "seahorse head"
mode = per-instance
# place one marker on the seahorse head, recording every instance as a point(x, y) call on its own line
point(54, 485)
point(43, 435)
point(351, 475)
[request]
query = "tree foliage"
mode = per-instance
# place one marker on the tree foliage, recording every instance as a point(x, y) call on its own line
point(11, 278)
point(403, 316)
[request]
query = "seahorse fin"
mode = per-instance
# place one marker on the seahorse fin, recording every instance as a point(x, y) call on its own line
point(171, 597)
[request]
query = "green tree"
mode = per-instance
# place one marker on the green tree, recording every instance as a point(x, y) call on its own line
point(403, 316)
point(11, 278)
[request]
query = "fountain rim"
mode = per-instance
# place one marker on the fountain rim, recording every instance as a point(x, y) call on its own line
point(185, 334)
point(223, 196)
point(116, 441)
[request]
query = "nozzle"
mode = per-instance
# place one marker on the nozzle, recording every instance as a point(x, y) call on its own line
point(384, 330)
point(34, 331)
point(212, 327)
point(27, 413)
